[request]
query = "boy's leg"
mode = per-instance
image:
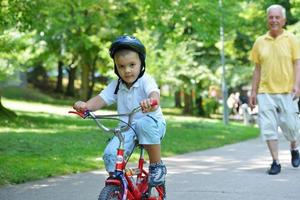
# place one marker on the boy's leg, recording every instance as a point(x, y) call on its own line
point(153, 152)
point(150, 132)
point(110, 152)
point(157, 169)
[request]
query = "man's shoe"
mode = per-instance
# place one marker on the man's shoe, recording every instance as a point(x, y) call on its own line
point(275, 168)
point(295, 158)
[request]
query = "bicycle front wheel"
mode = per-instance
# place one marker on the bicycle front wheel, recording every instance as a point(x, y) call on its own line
point(111, 192)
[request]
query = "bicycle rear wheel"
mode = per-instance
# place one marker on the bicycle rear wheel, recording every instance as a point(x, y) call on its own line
point(111, 192)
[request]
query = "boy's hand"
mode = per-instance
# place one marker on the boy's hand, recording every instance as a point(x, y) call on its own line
point(146, 105)
point(80, 106)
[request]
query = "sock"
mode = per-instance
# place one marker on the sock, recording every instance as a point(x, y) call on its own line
point(156, 164)
point(277, 162)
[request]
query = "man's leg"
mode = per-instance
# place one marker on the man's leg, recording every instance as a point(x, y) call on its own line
point(294, 145)
point(290, 125)
point(273, 148)
point(295, 160)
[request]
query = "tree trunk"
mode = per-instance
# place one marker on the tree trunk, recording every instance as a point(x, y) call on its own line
point(59, 83)
point(178, 99)
point(71, 81)
point(85, 71)
point(188, 103)
point(91, 86)
point(6, 113)
point(93, 78)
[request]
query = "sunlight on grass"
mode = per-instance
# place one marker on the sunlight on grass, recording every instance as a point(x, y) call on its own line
point(190, 119)
point(172, 111)
point(42, 108)
point(222, 137)
point(36, 107)
point(28, 130)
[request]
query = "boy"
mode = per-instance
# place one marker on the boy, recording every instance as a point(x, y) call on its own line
point(133, 88)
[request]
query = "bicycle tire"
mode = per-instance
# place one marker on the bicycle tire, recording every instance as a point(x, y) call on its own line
point(111, 192)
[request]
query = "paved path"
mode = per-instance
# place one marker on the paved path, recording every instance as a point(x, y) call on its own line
point(233, 172)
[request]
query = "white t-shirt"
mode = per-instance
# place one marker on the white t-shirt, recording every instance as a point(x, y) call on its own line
point(128, 99)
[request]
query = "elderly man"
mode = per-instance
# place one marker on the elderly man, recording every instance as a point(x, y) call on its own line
point(276, 85)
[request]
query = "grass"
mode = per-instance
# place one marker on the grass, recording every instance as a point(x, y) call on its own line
point(44, 142)
point(39, 145)
point(36, 146)
point(31, 94)
point(186, 134)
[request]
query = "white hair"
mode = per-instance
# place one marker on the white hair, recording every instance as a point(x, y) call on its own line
point(276, 6)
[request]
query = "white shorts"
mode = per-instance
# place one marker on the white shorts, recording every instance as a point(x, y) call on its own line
point(278, 110)
point(149, 131)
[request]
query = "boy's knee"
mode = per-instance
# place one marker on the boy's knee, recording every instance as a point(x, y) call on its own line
point(109, 161)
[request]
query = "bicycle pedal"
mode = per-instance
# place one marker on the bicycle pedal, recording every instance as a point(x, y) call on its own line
point(145, 196)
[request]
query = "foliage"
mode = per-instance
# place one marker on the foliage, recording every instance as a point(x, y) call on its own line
point(15, 51)
point(210, 106)
point(182, 37)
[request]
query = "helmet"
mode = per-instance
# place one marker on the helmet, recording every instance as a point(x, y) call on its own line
point(131, 43)
point(127, 42)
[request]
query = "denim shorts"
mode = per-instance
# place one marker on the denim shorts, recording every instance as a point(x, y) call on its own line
point(149, 130)
point(278, 110)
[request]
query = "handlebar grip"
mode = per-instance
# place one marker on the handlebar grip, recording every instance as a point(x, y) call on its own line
point(154, 102)
point(81, 114)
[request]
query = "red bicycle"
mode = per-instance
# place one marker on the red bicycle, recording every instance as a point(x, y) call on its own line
point(126, 183)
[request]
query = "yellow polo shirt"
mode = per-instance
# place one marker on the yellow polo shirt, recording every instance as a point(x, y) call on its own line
point(276, 57)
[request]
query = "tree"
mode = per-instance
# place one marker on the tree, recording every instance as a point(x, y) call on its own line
point(13, 44)
point(182, 38)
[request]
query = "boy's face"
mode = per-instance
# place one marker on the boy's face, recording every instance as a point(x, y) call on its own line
point(128, 66)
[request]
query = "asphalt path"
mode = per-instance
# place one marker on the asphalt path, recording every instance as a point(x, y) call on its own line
point(232, 172)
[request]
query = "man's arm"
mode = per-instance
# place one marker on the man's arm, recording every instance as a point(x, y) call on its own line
point(255, 84)
point(296, 88)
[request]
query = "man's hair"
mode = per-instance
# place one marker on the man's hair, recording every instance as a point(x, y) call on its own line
point(283, 11)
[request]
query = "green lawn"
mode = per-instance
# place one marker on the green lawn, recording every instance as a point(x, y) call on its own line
point(37, 145)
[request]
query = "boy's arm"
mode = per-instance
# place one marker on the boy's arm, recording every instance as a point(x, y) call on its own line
point(93, 104)
point(146, 103)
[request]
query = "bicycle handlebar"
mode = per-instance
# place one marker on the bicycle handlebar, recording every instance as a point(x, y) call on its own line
point(90, 114)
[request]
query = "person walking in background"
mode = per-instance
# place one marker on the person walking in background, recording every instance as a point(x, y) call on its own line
point(276, 85)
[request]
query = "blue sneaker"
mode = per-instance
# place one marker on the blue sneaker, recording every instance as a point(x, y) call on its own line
point(295, 158)
point(157, 174)
point(275, 168)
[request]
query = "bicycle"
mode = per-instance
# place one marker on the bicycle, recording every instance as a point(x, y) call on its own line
point(126, 183)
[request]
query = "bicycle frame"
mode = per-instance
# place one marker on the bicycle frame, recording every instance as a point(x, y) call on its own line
point(124, 177)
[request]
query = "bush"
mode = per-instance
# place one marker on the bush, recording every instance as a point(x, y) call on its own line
point(210, 106)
